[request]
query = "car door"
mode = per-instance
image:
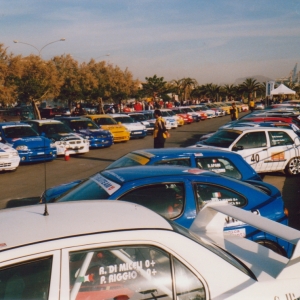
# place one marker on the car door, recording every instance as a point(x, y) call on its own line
point(281, 150)
point(253, 147)
point(126, 270)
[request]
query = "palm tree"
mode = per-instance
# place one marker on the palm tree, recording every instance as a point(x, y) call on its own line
point(211, 90)
point(176, 87)
point(249, 86)
point(229, 90)
point(188, 84)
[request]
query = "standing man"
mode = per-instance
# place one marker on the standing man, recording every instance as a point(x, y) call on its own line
point(160, 132)
point(251, 105)
point(78, 111)
point(233, 112)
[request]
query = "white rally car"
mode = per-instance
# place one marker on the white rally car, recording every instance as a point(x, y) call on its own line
point(136, 129)
point(266, 149)
point(9, 158)
point(60, 134)
point(120, 250)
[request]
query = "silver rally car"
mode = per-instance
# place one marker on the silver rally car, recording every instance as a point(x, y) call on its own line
point(120, 250)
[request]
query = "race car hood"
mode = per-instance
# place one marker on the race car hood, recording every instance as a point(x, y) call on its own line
point(134, 126)
point(63, 136)
point(93, 132)
point(6, 149)
point(31, 142)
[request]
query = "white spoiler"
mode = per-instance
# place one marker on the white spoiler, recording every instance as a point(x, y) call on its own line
point(210, 223)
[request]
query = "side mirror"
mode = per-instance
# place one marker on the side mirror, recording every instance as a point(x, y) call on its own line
point(237, 148)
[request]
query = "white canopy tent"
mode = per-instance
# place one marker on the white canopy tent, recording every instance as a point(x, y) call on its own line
point(282, 90)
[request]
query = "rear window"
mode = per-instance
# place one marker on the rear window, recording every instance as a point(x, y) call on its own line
point(206, 193)
point(218, 165)
point(129, 160)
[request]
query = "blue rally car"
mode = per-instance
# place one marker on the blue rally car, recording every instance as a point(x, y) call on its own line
point(89, 130)
point(30, 146)
point(178, 193)
point(219, 161)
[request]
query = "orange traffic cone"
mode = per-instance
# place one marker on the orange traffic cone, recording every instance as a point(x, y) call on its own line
point(67, 155)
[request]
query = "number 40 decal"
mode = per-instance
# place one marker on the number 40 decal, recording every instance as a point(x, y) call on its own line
point(255, 157)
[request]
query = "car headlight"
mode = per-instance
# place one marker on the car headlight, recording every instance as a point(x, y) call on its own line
point(15, 154)
point(22, 148)
point(52, 145)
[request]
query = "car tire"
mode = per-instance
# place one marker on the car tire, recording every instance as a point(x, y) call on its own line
point(272, 246)
point(293, 167)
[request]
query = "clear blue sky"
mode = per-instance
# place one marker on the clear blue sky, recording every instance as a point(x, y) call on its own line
point(214, 41)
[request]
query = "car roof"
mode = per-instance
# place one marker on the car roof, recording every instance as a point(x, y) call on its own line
point(46, 121)
point(261, 128)
point(120, 175)
point(100, 116)
point(119, 115)
point(184, 151)
point(69, 219)
point(13, 123)
point(72, 118)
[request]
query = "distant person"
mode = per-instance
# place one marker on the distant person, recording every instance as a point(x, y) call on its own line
point(251, 105)
point(160, 132)
point(78, 111)
point(233, 112)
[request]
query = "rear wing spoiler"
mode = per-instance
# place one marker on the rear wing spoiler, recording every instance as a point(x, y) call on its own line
point(210, 222)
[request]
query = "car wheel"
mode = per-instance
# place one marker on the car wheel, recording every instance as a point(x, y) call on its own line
point(272, 246)
point(293, 166)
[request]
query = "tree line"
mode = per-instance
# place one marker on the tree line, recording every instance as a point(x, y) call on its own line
point(31, 79)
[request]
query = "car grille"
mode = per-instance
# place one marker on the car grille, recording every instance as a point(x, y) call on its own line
point(74, 142)
point(39, 157)
point(5, 165)
point(119, 138)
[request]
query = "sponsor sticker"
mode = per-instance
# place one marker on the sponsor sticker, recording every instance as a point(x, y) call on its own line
point(109, 186)
point(277, 156)
point(238, 232)
point(194, 171)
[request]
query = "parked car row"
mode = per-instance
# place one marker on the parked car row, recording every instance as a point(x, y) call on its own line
point(124, 250)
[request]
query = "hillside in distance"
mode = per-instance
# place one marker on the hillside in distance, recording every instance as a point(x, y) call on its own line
point(258, 78)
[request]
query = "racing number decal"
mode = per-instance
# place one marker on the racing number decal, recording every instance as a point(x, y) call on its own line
point(255, 157)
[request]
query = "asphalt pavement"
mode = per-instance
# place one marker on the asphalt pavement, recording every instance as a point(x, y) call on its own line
point(26, 184)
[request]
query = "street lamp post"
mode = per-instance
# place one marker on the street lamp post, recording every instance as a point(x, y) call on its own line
point(40, 50)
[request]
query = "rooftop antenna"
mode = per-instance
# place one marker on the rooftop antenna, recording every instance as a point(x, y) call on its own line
point(45, 183)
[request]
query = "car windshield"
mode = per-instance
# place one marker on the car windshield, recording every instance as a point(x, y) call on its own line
point(129, 160)
point(222, 138)
point(149, 116)
point(94, 188)
point(54, 128)
point(82, 124)
point(124, 120)
point(165, 113)
point(105, 121)
point(188, 109)
point(171, 113)
point(138, 117)
point(18, 131)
